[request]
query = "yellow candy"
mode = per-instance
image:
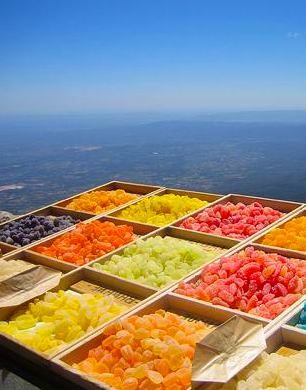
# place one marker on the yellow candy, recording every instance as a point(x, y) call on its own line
point(161, 210)
point(60, 318)
point(97, 202)
point(292, 235)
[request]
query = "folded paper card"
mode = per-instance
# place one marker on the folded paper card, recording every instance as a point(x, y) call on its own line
point(27, 285)
point(12, 267)
point(227, 350)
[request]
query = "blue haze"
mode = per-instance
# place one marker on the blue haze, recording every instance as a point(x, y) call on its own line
point(232, 154)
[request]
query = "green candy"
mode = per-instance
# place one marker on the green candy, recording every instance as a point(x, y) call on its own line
point(158, 261)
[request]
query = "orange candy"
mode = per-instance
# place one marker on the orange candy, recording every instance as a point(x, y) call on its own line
point(88, 241)
point(97, 202)
point(151, 352)
point(292, 235)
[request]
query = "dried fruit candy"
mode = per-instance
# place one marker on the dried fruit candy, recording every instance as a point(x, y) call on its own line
point(31, 228)
point(252, 281)
point(292, 235)
point(152, 351)
point(59, 318)
point(88, 241)
point(158, 261)
point(272, 372)
point(237, 221)
point(97, 202)
point(161, 210)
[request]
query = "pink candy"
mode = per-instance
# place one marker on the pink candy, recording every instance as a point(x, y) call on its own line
point(252, 281)
point(238, 221)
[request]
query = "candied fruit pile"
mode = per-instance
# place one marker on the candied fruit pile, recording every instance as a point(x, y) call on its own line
point(272, 371)
point(252, 281)
point(153, 351)
point(161, 210)
point(158, 261)
point(97, 202)
point(60, 318)
point(31, 228)
point(237, 221)
point(88, 241)
point(9, 268)
point(302, 319)
point(292, 235)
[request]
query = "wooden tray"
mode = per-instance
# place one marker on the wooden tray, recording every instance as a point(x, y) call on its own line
point(134, 188)
point(280, 340)
point(301, 212)
point(208, 197)
point(45, 211)
point(61, 364)
point(139, 231)
point(80, 281)
point(222, 244)
point(195, 276)
point(286, 207)
point(6, 249)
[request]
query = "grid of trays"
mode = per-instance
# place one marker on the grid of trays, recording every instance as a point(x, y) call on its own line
point(141, 298)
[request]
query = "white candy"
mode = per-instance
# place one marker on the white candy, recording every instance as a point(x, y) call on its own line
point(272, 372)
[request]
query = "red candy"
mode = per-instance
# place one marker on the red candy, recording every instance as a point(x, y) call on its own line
point(253, 281)
point(237, 221)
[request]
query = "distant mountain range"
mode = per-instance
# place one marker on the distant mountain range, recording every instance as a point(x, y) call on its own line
point(86, 121)
point(288, 116)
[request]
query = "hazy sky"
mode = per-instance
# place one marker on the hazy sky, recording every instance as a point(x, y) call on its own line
point(72, 55)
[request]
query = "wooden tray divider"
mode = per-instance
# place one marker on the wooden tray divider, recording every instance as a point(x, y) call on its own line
point(6, 249)
point(40, 259)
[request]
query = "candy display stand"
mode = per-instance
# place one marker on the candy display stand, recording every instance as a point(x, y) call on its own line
point(140, 298)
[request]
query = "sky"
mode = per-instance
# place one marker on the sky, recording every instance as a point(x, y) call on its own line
point(60, 56)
